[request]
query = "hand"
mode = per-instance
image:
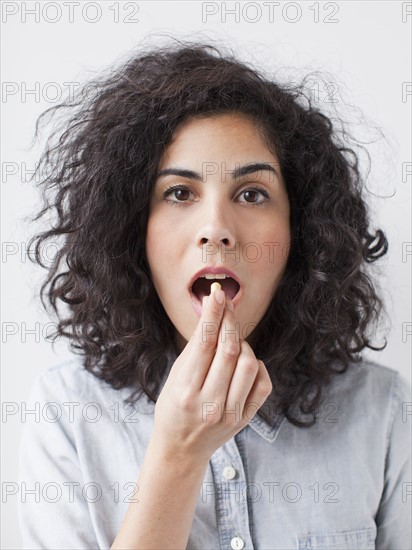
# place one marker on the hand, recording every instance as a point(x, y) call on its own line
point(213, 390)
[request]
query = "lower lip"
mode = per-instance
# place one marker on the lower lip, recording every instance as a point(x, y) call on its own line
point(197, 305)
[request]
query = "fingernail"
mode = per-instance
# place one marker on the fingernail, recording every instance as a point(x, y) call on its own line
point(219, 296)
point(230, 306)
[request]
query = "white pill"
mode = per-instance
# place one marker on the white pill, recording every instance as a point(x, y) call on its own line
point(215, 286)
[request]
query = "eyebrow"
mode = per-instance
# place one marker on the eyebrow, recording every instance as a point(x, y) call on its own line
point(236, 173)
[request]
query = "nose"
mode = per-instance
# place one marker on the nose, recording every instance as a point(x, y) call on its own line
point(216, 228)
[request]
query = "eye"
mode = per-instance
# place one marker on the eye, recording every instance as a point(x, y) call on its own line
point(252, 193)
point(181, 194)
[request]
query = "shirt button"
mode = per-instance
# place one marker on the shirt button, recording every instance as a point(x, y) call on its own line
point(229, 473)
point(237, 543)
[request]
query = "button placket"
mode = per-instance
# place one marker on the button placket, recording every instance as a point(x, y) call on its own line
point(231, 497)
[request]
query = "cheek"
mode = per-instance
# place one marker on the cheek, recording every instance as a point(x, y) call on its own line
point(273, 246)
point(162, 245)
point(154, 243)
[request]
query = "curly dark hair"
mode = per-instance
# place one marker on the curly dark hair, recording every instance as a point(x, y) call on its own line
point(98, 170)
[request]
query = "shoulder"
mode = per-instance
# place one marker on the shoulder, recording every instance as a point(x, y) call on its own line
point(370, 381)
point(70, 380)
point(371, 395)
point(69, 374)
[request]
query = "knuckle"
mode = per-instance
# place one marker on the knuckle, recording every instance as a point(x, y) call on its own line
point(207, 336)
point(212, 419)
point(186, 401)
point(231, 422)
point(264, 388)
point(250, 367)
point(231, 350)
point(206, 345)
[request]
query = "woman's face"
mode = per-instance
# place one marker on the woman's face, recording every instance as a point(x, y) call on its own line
point(215, 218)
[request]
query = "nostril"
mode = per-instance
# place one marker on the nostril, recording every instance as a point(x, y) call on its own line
point(224, 241)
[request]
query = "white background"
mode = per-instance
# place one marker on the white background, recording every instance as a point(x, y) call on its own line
point(366, 52)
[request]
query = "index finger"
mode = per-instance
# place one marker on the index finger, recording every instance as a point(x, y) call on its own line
point(201, 348)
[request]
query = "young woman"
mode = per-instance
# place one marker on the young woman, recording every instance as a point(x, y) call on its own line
point(240, 418)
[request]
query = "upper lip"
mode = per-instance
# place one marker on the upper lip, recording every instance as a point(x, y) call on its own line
point(214, 270)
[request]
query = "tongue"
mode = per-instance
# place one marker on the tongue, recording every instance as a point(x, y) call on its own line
point(201, 287)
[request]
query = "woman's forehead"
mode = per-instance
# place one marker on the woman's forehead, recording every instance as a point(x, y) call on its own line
point(219, 122)
point(232, 137)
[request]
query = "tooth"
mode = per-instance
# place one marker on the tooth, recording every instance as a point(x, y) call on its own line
point(215, 276)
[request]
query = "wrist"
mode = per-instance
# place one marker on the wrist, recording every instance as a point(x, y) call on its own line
point(176, 457)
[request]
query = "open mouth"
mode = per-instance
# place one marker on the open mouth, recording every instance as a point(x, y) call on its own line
point(201, 287)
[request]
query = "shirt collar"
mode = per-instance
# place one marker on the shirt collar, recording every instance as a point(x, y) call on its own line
point(265, 430)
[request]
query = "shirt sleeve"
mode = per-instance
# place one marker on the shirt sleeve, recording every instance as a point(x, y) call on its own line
point(53, 513)
point(393, 519)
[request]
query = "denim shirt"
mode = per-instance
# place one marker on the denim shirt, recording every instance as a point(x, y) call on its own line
point(344, 483)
